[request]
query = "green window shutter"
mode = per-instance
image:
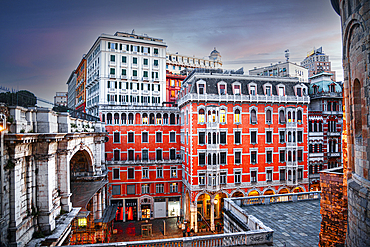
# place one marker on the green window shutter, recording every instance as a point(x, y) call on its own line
point(130, 85)
point(115, 84)
point(120, 47)
point(107, 97)
point(115, 98)
point(132, 48)
point(148, 49)
point(137, 86)
point(120, 86)
point(159, 87)
point(142, 99)
point(142, 49)
point(108, 84)
point(108, 45)
point(152, 87)
point(142, 86)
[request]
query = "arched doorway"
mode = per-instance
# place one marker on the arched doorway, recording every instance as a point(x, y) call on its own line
point(284, 191)
point(81, 165)
point(219, 204)
point(269, 192)
point(204, 205)
point(297, 190)
point(187, 206)
point(238, 194)
point(253, 193)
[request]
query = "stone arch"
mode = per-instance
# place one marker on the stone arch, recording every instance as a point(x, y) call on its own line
point(253, 192)
point(283, 190)
point(81, 164)
point(269, 191)
point(298, 189)
point(237, 193)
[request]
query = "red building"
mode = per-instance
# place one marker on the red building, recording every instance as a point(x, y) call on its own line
point(142, 156)
point(240, 136)
point(81, 86)
point(173, 86)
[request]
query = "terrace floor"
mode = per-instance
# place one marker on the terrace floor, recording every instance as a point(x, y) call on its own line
point(294, 223)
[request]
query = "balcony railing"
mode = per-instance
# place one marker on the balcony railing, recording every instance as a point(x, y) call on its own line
point(144, 161)
point(334, 133)
point(331, 155)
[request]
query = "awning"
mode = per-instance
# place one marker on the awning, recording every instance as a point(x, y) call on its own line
point(82, 192)
point(109, 214)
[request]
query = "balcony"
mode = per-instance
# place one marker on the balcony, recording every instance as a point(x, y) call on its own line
point(112, 76)
point(292, 164)
point(144, 161)
point(212, 125)
point(123, 64)
point(123, 76)
point(145, 92)
point(145, 79)
point(112, 90)
point(334, 133)
point(123, 90)
point(155, 67)
point(156, 79)
point(134, 78)
point(135, 91)
point(112, 102)
point(333, 155)
point(155, 93)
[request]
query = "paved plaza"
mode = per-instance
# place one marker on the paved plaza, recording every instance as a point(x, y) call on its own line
point(294, 223)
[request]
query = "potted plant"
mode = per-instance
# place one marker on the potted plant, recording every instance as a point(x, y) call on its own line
point(203, 228)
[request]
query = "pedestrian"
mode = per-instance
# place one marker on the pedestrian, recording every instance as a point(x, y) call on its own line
point(183, 233)
point(178, 219)
point(188, 231)
point(192, 231)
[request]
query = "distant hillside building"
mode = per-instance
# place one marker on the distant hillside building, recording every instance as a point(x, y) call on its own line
point(317, 62)
point(286, 69)
point(61, 98)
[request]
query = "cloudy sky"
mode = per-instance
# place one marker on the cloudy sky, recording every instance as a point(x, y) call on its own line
point(43, 41)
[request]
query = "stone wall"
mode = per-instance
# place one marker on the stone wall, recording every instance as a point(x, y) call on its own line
point(333, 208)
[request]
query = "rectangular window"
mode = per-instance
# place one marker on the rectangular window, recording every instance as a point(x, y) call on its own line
point(116, 154)
point(281, 91)
point(222, 138)
point(253, 176)
point(145, 155)
point(300, 155)
point(130, 155)
point(282, 155)
point(300, 136)
point(116, 136)
point(281, 136)
point(268, 91)
point(156, 51)
point(116, 189)
point(269, 175)
point(131, 189)
point(237, 177)
point(223, 178)
point(252, 90)
point(158, 153)
point(130, 137)
point(158, 137)
point(145, 61)
point(130, 173)
point(145, 189)
point(237, 89)
point(124, 59)
point(237, 157)
point(134, 60)
point(112, 58)
point(159, 172)
point(173, 187)
point(202, 179)
point(172, 154)
point(145, 172)
point(112, 71)
point(222, 90)
point(300, 173)
point(269, 156)
point(116, 173)
point(134, 73)
point(223, 158)
point(159, 188)
point(253, 137)
point(269, 136)
point(155, 62)
point(237, 138)
point(173, 172)
point(282, 175)
point(202, 159)
point(253, 157)
point(145, 74)
point(201, 89)
point(202, 138)
point(144, 137)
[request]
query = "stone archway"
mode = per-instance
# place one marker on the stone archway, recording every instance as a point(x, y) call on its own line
point(284, 191)
point(253, 193)
point(219, 204)
point(297, 190)
point(237, 194)
point(269, 192)
point(81, 165)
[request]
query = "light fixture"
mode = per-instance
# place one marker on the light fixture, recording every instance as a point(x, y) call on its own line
point(215, 201)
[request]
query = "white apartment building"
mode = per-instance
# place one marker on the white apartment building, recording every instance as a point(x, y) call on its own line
point(286, 69)
point(71, 83)
point(125, 69)
point(176, 62)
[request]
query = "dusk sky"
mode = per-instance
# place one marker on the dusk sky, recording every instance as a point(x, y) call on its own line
point(43, 41)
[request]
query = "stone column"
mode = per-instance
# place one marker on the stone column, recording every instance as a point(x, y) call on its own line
point(212, 216)
point(99, 205)
point(193, 217)
point(64, 182)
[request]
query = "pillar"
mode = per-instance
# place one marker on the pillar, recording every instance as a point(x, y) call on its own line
point(64, 182)
point(193, 217)
point(212, 216)
point(99, 204)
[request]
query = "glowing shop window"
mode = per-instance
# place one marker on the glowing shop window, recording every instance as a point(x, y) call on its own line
point(82, 222)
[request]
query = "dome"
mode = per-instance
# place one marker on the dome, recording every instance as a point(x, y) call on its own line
point(215, 52)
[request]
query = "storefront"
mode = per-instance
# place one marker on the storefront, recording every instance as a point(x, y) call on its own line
point(160, 208)
point(119, 214)
point(173, 206)
point(131, 209)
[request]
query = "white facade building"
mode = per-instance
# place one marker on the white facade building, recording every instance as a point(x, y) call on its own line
point(71, 83)
point(286, 69)
point(125, 69)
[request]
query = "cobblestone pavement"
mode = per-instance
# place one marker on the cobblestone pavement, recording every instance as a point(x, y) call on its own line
point(294, 223)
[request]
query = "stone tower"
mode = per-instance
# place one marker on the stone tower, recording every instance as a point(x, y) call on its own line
point(355, 18)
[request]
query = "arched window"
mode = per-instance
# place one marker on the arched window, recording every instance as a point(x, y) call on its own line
point(316, 148)
point(165, 118)
point(130, 118)
point(253, 116)
point(201, 116)
point(310, 126)
point(151, 118)
point(315, 126)
point(123, 118)
point(214, 159)
point(209, 138)
point(357, 108)
point(109, 118)
point(237, 116)
point(294, 116)
point(293, 136)
point(172, 118)
point(268, 116)
point(214, 138)
point(320, 147)
point(209, 159)
point(281, 116)
point(289, 155)
point(222, 116)
point(103, 118)
point(289, 116)
point(310, 148)
point(320, 126)
point(289, 136)
point(214, 116)
point(209, 116)
point(299, 116)
point(159, 118)
point(116, 118)
point(145, 118)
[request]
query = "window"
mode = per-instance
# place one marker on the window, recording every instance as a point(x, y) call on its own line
point(269, 156)
point(237, 177)
point(201, 89)
point(158, 153)
point(124, 59)
point(112, 71)
point(173, 172)
point(145, 155)
point(268, 116)
point(202, 159)
point(281, 91)
point(253, 116)
point(156, 51)
point(222, 116)
point(299, 92)
point(223, 158)
point(252, 90)
point(144, 137)
point(237, 89)
point(300, 136)
point(158, 137)
point(253, 176)
point(282, 155)
point(155, 62)
point(116, 189)
point(145, 61)
point(237, 138)
point(268, 91)
point(116, 154)
point(159, 172)
point(299, 116)
point(300, 155)
point(116, 173)
point(202, 138)
point(269, 175)
point(134, 72)
point(202, 179)
point(281, 116)
point(253, 137)
point(201, 116)
point(222, 89)
point(253, 157)
point(268, 136)
point(300, 173)
point(116, 136)
point(172, 137)
point(159, 188)
point(130, 173)
point(237, 157)
point(173, 187)
point(223, 178)
point(130, 155)
point(282, 175)
point(145, 172)
point(134, 60)
point(223, 138)
point(172, 154)
point(237, 116)
point(123, 71)
point(145, 189)
point(281, 136)
point(130, 137)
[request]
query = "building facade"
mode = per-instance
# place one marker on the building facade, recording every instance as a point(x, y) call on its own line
point(71, 83)
point(61, 99)
point(316, 62)
point(175, 63)
point(125, 69)
point(325, 125)
point(173, 86)
point(143, 160)
point(240, 136)
point(355, 19)
point(80, 86)
point(285, 69)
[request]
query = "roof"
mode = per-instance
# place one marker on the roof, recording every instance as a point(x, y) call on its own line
point(82, 192)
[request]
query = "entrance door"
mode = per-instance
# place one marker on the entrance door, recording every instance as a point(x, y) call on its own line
point(145, 211)
point(131, 209)
point(160, 209)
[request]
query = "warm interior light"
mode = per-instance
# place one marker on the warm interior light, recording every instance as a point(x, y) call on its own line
point(215, 201)
point(82, 222)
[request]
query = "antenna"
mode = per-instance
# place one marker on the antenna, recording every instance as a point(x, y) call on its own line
point(287, 55)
